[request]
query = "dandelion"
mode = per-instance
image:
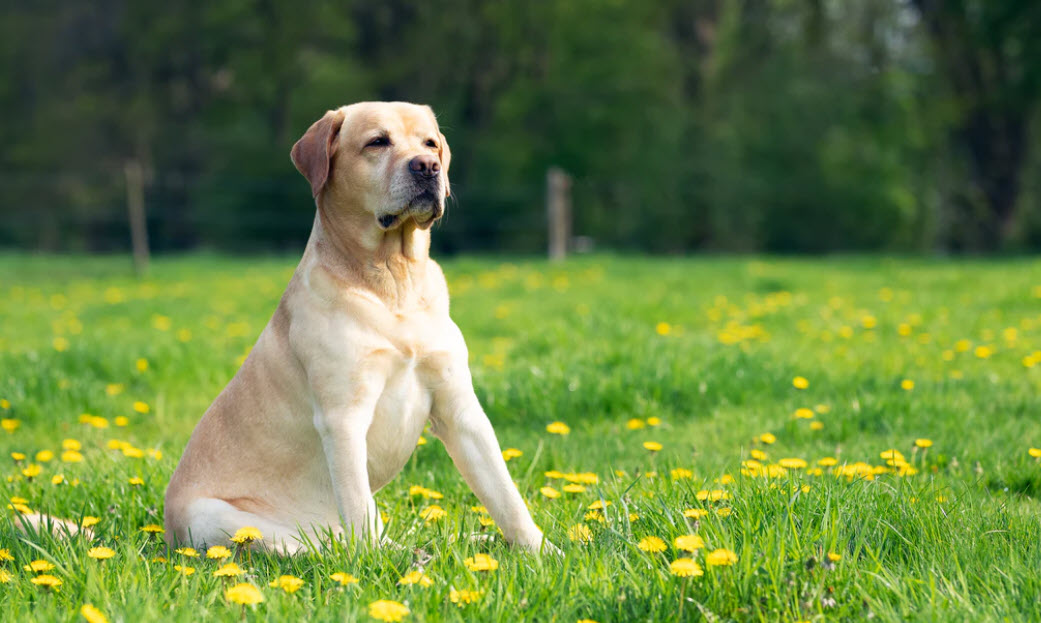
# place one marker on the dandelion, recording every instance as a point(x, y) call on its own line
point(343, 579)
point(5, 577)
point(433, 513)
point(184, 570)
point(663, 328)
point(695, 513)
point(1034, 452)
point(464, 597)
point(245, 594)
point(416, 577)
point(218, 552)
point(833, 557)
point(580, 533)
point(141, 407)
point(100, 553)
point(415, 490)
point(757, 454)
point(721, 558)
point(689, 543)
point(574, 488)
point(681, 473)
point(653, 446)
point(153, 529)
point(816, 425)
point(923, 443)
point(800, 382)
point(57, 479)
point(228, 570)
point(387, 610)
point(481, 562)
point(5, 555)
point(39, 566)
point(653, 421)
point(32, 470)
point(141, 365)
point(767, 438)
point(792, 463)
point(511, 453)
point(47, 581)
point(652, 544)
point(18, 456)
point(635, 424)
point(288, 583)
point(9, 424)
point(136, 481)
point(44, 456)
point(422, 441)
point(558, 428)
point(550, 492)
point(92, 614)
point(89, 521)
point(724, 512)
point(247, 535)
point(685, 568)
point(71, 456)
point(187, 551)
point(907, 385)
point(892, 455)
point(803, 414)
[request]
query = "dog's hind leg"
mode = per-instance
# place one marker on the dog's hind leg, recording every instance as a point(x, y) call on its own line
point(211, 521)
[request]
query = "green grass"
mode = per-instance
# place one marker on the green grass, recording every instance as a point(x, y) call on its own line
point(578, 343)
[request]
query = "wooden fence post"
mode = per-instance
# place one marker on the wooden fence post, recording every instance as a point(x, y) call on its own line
point(136, 212)
point(558, 212)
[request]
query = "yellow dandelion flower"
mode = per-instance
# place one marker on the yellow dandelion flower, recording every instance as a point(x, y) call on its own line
point(833, 557)
point(121, 420)
point(218, 552)
point(633, 517)
point(21, 508)
point(923, 443)
point(18, 456)
point(907, 385)
point(101, 553)
point(595, 516)
point(652, 544)
point(5, 555)
point(388, 611)
point(816, 425)
point(511, 453)
point(724, 512)
point(653, 421)
point(153, 529)
point(550, 492)
point(574, 488)
point(288, 583)
point(114, 389)
point(481, 562)
point(71, 444)
point(39, 566)
point(653, 446)
point(758, 455)
point(422, 441)
point(800, 382)
point(689, 542)
point(558, 428)
point(580, 533)
point(695, 513)
point(187, 551)
point(554, 474)
point(803, 413)
point(983, 352)
point(141, 407)
point(246, 535)
point(892, 455)
point(9, 424)
point(5, 577)
point(343, 579)
point(416, 577)
point(828, 461)
point(184, 570)
point(136, 481)
point(463, 597)
point(792, 463)
point(47, 581)
point(32, 470)
point(1034, 452)
point(720, 558)
point(433, 513)
point(71, 456)
point(681, 473)
point(663, 328)
point(685, 568)
point(635, 424)
point(57, 479)
point(767, 438)
point(245, 594)
point(92, 614)
point(89, 521)
point(5, 404)
point(228, 570)
point(599, 505)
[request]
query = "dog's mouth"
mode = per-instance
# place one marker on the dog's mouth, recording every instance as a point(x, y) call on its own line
point(425, 208)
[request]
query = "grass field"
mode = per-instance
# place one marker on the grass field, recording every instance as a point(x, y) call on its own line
point(829, 508)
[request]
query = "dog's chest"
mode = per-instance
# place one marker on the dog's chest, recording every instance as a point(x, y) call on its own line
point(401, 412)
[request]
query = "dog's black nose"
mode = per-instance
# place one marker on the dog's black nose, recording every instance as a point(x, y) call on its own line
point(424, 166)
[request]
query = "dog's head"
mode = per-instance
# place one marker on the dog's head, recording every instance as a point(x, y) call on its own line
point(387, 158)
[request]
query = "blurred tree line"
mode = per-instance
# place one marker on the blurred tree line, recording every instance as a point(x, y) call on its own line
point(776, 125)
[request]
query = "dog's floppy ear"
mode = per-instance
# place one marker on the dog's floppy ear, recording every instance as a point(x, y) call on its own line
point(445, 155)
point(311, 154)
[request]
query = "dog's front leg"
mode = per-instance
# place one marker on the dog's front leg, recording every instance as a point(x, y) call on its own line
point(461, 424)
point(342, 421)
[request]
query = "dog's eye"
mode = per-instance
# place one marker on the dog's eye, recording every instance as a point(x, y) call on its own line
point(430, 143)
point(379, 141)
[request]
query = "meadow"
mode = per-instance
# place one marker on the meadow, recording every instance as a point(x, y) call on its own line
point(749, 439)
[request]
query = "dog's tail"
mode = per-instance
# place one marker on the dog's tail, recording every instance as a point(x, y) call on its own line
point(62, 528)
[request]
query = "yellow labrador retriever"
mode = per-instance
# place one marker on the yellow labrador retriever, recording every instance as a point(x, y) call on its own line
point(360, 354)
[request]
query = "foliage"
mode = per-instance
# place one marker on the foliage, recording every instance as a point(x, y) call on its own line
point(714, 360)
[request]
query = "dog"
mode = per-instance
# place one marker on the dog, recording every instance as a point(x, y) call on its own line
point(359, 356)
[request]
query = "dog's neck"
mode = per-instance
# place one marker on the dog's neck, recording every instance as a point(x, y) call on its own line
point(391, 263)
